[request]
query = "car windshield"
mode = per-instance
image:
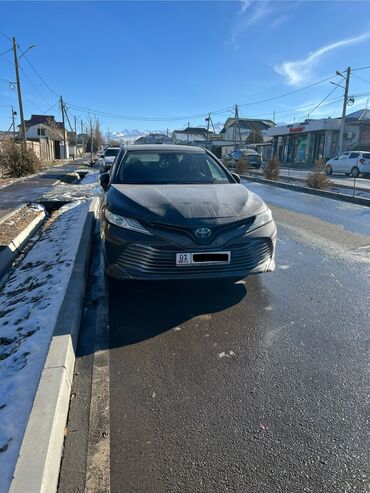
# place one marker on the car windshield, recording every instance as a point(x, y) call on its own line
point(111, 152)
point(145, 167)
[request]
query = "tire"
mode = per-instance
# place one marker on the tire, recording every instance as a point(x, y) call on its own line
point(328, 169)
point(355, 172)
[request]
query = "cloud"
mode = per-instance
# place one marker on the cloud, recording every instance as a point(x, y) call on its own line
point(252, 12)
point(300, 71)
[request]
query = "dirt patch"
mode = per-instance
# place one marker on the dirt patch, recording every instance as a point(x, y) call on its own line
point(15, 224)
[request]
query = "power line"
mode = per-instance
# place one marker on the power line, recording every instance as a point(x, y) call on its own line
point(5, 36)
point(361, 78)
point(39, 76)
point(326, 97)
point(33, 85)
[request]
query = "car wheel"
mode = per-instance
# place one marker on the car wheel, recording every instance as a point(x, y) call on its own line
point(355, 172)
point(328, 169)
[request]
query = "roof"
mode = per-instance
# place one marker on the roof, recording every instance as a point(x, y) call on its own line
point(249, 124)
point(164, 147)
point(192, 130)
point(42, 119)
point(362, 115)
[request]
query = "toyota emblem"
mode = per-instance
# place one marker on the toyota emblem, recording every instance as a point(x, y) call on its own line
point(203, 233)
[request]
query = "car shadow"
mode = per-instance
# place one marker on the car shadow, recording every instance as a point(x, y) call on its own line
point(139, 311)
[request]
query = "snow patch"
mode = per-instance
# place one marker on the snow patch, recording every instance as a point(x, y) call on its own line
point(30, 302)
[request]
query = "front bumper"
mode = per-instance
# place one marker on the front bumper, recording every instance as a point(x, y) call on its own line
point(131, 255)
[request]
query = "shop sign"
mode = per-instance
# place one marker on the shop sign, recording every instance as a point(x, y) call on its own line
point(294, 130)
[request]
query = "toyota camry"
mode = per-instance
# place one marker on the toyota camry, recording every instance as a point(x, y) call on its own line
point(175, 212)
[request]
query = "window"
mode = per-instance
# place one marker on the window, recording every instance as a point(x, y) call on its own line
point(111, 152)
point(41, 132)
point(344, 156)
point(163, 167)
point(366, 155)
point(354, 155)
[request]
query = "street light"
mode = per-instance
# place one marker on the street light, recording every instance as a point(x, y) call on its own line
point(24, 52)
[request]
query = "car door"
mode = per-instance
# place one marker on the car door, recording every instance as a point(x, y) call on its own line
point(366, 162)
point(352, 161)
point(341, 163)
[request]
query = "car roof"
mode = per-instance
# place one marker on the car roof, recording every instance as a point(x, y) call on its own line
point(165, 147)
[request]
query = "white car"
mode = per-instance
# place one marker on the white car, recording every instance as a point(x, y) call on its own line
point(108, 157)
point(354, 163)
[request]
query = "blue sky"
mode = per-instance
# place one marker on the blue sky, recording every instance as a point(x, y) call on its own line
point(174, 59)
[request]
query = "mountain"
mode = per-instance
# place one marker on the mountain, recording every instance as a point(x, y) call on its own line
point(131, 134)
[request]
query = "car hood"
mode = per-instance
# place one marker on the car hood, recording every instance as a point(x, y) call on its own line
point(183, 204)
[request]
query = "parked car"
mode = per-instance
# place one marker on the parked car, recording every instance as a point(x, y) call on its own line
point(108, 158)
point(175, 212)
point(354, 163)
point(252, 157)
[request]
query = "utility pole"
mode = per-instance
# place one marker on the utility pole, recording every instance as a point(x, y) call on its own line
point(64, 127)
point(273, 117)
point(208, 120)
point(75, 137)
point(82, 137)
point(20, 104)
point(237, 122)
point(14, 113)
point(188, 133)
point(346, 89)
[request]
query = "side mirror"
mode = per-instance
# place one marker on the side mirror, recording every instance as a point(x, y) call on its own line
point(236, 177)
point(104, 181)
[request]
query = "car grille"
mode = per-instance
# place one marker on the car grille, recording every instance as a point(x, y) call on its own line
point(160, 260)
point(217, 230)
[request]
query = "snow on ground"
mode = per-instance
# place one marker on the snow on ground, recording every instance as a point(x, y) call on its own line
point(88, 187)
point(351, 217)
point(29, 306)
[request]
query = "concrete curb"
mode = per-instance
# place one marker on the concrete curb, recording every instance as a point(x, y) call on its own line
point(312, 191)
point(12, 250)
point(345, 186)
point(37, 468)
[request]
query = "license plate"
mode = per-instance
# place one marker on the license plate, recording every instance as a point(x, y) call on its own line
point(202, 258)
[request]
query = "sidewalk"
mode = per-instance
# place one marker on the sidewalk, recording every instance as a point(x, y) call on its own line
point(301, 174)
point(29, 189)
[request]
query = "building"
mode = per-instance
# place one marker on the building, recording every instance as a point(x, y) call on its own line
point(154, 138)
point(311, 140)
point(190, 135)
point(252, 130)
point(46, 128)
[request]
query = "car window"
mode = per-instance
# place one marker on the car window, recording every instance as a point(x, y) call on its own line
point(354, 155)
point(366, 155)
point(143, 167)
point(344, 155)
point(111, 152)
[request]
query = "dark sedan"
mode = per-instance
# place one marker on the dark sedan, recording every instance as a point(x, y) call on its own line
point(175, 212)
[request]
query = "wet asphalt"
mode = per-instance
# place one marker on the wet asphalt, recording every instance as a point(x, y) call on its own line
point(260, 386)
point(256, 387)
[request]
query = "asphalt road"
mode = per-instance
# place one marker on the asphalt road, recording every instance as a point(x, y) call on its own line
point(257, 387)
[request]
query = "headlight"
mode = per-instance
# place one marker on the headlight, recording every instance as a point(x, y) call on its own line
point(125, 222)
point(261, 219)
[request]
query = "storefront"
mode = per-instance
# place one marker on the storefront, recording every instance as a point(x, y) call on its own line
point(306, 142)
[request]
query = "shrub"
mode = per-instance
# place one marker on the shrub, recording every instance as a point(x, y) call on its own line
point(17, 161)
point(272, 169)
point(317, 178)
point(241, 166)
